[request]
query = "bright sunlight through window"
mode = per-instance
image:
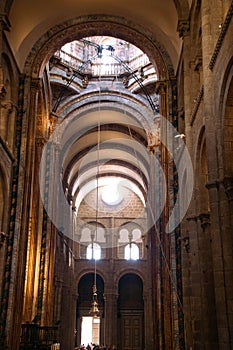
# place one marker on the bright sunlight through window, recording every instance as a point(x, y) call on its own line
point(131, 252)
point(93, 251)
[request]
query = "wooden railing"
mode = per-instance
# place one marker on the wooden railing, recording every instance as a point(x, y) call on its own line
point(34, 336)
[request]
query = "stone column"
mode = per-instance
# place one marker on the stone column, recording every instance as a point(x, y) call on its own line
point(110, 316)
point(57, 300)
point(7, 107)
point(148, 316)
point(188, 228)
point(112, 247)
point(218, 266)
point(26, 158)
point(166, 310)
point(153, 254)
point(209, 329)
point(227, 221)
point(194, 319)
point(34, 236)
point(210, 13)
point(4, 26)
point(69, 304)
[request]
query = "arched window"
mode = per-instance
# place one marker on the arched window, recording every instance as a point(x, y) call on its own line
point(93, 251)
point(131, 252)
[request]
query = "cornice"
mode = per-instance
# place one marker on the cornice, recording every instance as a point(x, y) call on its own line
point(221, 37)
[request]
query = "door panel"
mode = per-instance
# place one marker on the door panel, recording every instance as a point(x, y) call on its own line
point(131, 332)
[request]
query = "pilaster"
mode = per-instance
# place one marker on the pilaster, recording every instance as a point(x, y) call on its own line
point(209, 329)
point(193, 325)
point(110, 316)
point(222, 261)
point(210, 33)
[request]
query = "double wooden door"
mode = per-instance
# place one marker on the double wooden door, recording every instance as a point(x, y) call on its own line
point(131, 332)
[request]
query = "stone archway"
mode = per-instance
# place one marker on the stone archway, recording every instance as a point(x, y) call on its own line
point(45, 47)
point(98, 25)
point(84, 301)
point(130, 313)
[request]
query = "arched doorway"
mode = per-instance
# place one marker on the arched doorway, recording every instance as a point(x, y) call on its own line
point(130, 313)
point(89, 329)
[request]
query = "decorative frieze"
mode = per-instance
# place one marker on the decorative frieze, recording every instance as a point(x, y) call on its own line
point(221, 37)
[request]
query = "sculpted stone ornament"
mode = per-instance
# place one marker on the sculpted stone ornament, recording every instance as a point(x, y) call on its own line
point(2, 92)
point(153, 136)
point(205, 220)
point(153, 140)
point(85, 81)
point(2, 238)
point(183, 27)
point(228, 185)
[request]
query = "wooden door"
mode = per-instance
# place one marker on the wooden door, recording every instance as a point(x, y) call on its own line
point(131, 332)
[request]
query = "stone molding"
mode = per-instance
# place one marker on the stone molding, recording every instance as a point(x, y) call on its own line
point(211, 185)
point(86, 26)
point(221, 37)
point(192, 218)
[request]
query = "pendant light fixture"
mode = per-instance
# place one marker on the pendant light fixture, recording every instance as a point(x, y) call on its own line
point(94, 310)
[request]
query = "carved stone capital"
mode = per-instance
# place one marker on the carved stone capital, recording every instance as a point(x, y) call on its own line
point(125, 80)
point(211, 185)
point(160, 87)
point(183, 27)
point(204, 219)
point(2, 238)
point(192, 218)
point(2, 92)
point(154, 140)
point(40, 141)
point(228, 186)
point(197, 63)
point(4, 22)
point(186, 244)
point(53, 118)
point(36, 84)
point(85, 81)
point(8, 106)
